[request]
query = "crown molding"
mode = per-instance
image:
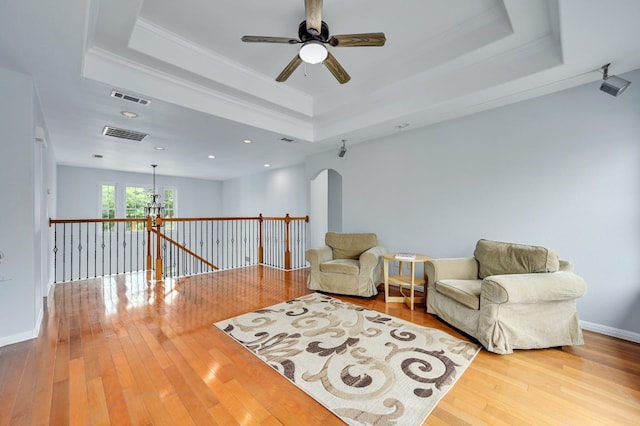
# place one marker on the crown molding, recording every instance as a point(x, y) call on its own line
point(111, 69)
point(168, 47)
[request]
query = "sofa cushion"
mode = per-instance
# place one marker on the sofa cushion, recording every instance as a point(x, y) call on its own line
point(350, 245)
point(341, 266)
point(498, 258)
point(466, 292)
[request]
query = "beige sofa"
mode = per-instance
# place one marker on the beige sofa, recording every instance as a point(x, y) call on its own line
point(508, 296)
point(348, 263)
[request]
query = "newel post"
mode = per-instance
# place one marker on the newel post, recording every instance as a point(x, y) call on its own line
point(260, 241)
point(287, 246)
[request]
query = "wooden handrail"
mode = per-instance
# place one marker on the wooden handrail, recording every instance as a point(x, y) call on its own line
point(287, 218)
point(177, 244)
point(193, 219)
point(176, 219)
point(120, 220)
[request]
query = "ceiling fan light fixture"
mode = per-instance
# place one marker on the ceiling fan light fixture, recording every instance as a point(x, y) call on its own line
point(313, 52)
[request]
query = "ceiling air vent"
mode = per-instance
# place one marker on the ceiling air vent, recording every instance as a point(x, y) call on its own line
point(123, 134)
point(120, 95)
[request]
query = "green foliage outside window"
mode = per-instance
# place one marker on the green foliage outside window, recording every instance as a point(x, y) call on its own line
point(108, 206)
point(136, 198)
point(169, 202)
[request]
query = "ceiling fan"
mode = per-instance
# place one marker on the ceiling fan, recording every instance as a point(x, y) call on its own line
point(313, 34)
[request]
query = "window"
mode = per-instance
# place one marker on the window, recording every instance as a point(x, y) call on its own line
point(136, 198)
point(168, 201)
point(108, 207)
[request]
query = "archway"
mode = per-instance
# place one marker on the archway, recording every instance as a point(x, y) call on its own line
point(325, 207)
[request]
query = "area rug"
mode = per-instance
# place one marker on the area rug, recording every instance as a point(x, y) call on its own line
point(366, 367)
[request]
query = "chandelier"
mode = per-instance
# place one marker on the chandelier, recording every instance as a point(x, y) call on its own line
point(154, 207)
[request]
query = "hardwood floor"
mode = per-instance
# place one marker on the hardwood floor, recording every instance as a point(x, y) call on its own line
point(120, 350)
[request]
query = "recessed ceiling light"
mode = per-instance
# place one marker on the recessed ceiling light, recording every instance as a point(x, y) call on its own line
point(267, 165)
point(211, 156)
point(159, 148)
point(129, 114)
point(247, 141)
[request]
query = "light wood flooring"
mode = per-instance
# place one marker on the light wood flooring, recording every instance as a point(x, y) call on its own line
point(121, 350)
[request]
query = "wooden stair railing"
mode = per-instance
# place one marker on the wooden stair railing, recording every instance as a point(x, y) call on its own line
point(84, 248)
point(175, 243)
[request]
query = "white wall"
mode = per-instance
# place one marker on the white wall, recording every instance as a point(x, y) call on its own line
point(20, 290)
point(79, 191)
point(561, 171)
point(272, 193)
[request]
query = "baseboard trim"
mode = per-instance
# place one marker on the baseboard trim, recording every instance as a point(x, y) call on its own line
point(610, 331)
point(27, 335)
point(17, 338)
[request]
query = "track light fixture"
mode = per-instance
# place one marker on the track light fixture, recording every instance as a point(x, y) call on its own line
point(612, 84)
point(343, 149)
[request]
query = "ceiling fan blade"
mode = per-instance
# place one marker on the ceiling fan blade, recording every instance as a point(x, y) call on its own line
point(266, 39)
point(356, 40)
point(336, 69)
point(289, 69)
point(313, 11)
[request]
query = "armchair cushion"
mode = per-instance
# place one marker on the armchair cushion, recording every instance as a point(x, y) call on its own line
point(341, 266)
point(350, 246)
point(498, 258)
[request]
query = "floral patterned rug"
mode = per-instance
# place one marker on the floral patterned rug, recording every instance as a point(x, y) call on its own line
point(366, 367)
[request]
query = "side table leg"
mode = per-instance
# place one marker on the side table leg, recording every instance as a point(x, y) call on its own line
point(386, 281)
point(413, 283)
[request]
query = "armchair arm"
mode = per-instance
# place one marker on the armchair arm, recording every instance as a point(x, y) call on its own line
point(461, 268)
point(533, 288)
point(315, 256)
point(369, 259)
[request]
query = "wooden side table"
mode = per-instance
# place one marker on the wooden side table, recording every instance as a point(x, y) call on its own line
point(404, 281)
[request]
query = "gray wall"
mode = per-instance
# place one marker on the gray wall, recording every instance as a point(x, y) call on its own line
point(79, 191)
point(334, 195)
point(561, 170)
point(25, 172)
point(272, 193)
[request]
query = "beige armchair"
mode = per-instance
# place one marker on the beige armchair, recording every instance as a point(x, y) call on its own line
point(508, 296)
point(348, 263)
